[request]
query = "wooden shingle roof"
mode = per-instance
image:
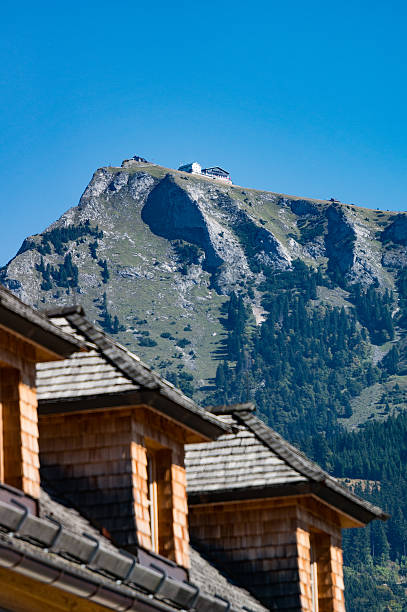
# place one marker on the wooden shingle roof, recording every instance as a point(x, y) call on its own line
point(109, 375)
point(35, 328)
point(253, 461)
point(62, 547)
point(235, 461)
point(84, 374)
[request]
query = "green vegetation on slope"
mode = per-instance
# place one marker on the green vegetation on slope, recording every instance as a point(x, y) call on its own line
point(313, 328)
point(303, 366)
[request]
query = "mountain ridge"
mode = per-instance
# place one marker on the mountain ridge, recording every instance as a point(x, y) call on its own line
point(154, 254)
point(236, 294)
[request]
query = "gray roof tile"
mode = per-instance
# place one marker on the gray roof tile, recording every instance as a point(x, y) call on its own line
point(82, 374)
point(236, 460)
point(208, 578)
point(109, 368)
point(254, 456)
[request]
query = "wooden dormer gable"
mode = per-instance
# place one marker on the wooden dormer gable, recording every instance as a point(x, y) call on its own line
point(270, 515)
point(112, 433)
point(26, 337)
point(110, 376)
point(42, 340)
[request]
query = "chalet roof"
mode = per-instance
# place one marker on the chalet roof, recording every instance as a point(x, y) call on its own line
point(35, 328)
point(215, 168)
point(254, 461)
point(61, 547)
point(211, 580)
point(110, 375)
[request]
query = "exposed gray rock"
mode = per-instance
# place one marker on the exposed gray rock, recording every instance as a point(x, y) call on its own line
point(350, 250)
point(397, 230)
point(241, 234)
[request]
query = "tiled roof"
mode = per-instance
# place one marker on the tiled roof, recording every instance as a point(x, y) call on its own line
point(211, 580)
point(254, 461)
point(83, 374)
point(109, 369)
point(235, 461)
point(63, 541)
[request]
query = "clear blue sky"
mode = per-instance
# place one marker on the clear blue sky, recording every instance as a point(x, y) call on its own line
point(305, 98)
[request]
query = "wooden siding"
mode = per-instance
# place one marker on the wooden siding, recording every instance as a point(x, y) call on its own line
point(18, 403)
point(99, 461)
point(167, 438)
point(266, 547)
point(87, 458)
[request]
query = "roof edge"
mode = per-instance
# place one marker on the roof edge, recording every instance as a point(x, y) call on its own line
point(34, 327)
point(324, 485)
point(62, 311)
point(359, 513)
point(224, 409)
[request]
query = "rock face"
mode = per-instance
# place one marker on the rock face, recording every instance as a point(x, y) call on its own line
point(162, 250)
point(349, 249)
point(397, 230)
point(172, 213)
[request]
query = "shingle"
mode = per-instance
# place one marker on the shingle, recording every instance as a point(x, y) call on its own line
point(82, 374)
point(235, 461)
point(107, 369)
point(51, 504)
point(210, 579)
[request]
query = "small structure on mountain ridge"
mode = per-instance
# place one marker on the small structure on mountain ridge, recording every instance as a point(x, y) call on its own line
point(215, 172)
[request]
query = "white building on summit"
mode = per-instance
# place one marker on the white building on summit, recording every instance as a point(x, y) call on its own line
point(215, 172)
point(193, 168)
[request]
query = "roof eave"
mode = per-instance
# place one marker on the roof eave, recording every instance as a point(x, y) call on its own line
point(206, 428)
point(354, 513)
point(340, 498)
point(51, 344)
point(66, 579)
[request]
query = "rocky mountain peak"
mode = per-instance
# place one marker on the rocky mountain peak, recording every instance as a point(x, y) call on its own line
point(162, 250)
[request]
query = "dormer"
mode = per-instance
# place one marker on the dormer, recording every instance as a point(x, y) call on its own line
point(26, 338)
point(271, 516)
point(112, 436)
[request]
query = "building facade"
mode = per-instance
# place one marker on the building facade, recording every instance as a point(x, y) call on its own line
point(95, 513)
point(271, 516)
point(215, 172)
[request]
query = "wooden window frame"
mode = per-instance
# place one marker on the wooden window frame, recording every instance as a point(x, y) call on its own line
point(152, 499)
point(314, 575)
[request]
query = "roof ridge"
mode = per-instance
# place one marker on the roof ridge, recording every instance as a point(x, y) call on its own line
point(61, 311)
point(135, 370)
point(15, 307)
point(224, 409)
point(281, 447)
point(299, 462)
point(109, 347)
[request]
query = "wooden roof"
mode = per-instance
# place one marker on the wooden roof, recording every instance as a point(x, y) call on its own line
point(256, 462)
point(33, 327)
point(109, 375)
point(60, 540)
point(222, 170)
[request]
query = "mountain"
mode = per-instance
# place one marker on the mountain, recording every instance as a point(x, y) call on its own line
point(237, 294)
point(154, 255)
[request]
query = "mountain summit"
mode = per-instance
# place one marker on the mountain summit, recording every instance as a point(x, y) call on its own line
point(240, 295)
point(154, 255)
